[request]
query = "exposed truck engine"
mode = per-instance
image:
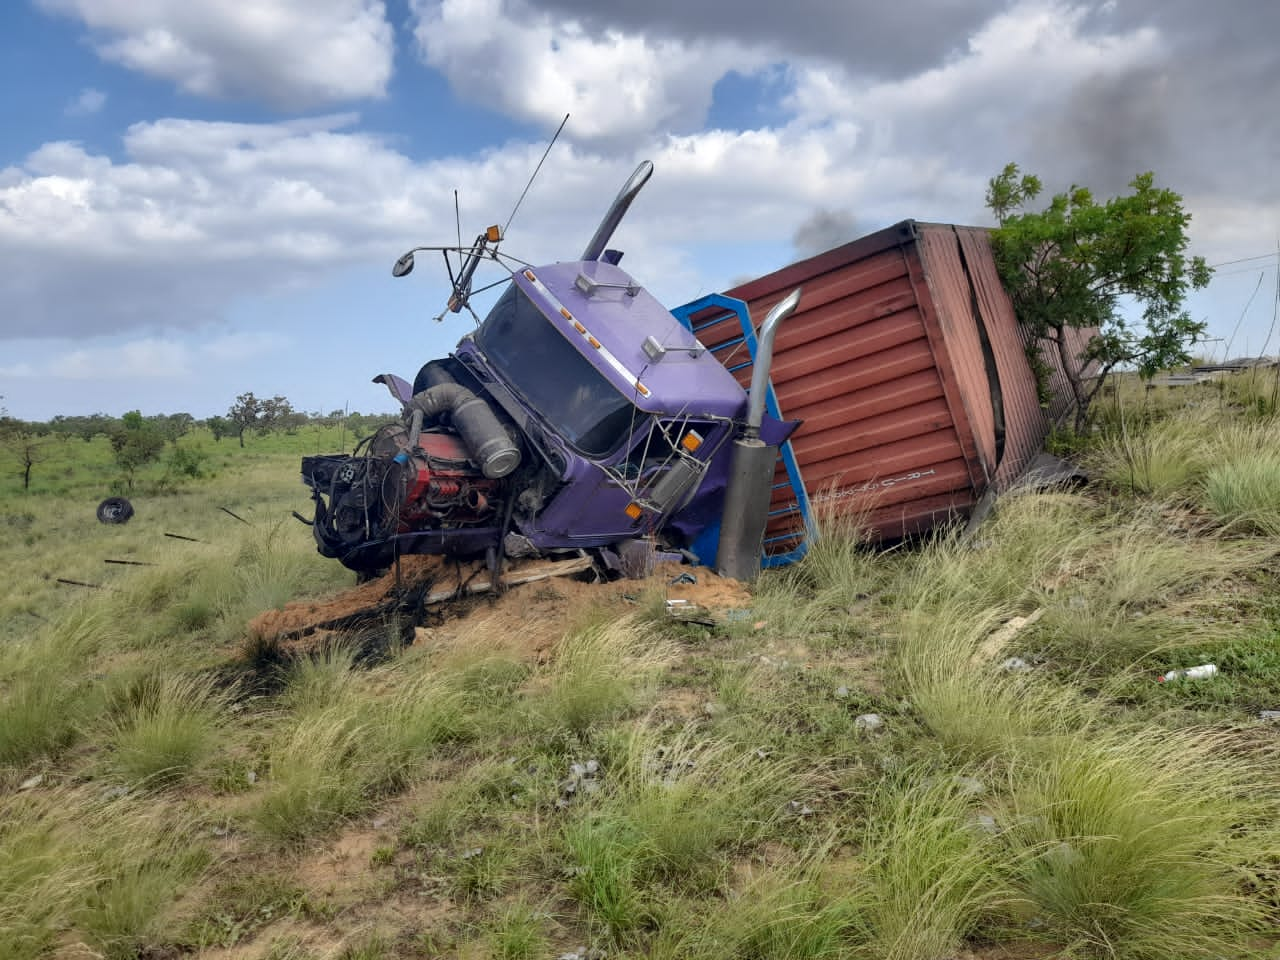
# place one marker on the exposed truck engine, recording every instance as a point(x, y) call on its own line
point(580, 415)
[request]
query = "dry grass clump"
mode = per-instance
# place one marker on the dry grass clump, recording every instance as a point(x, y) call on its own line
point(1165, 458)
point(80, 867)
point(1128, 842)
point(931, 872)
point(599, 672)
point(165, 725)
point(951, 665)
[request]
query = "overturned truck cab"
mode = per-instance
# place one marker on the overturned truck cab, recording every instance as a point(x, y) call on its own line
point(579, 415)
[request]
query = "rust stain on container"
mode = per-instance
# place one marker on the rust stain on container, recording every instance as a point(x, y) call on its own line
point(909, 370)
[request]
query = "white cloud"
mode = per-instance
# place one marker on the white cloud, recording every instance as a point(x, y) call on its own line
point(288, 52)
point(616, 86)
point(162, 358)
point(200, 214)
point(89, 101)
point(147, 359)
point(243, 346)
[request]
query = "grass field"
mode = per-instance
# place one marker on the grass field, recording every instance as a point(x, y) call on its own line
point(569, 770)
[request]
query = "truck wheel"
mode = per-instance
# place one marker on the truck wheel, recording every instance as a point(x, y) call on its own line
point(115, 510)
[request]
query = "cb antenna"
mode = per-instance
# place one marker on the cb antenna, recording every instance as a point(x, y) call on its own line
point(534, 174)
point(457, 217)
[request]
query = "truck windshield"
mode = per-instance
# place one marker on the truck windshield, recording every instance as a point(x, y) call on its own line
point(551, 376)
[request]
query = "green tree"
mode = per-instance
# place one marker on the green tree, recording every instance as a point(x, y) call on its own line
point(136, 443)
point(1077, 265)
point(278, 414)
point(23, 445)
point(220, 427)
point(244, 414)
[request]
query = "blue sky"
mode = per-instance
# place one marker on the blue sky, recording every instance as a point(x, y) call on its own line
point(203, 197)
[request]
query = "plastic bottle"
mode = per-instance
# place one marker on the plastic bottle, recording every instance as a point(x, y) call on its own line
point(1201, 672)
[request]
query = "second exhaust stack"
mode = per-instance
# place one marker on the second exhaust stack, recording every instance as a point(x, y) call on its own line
point(746, 501)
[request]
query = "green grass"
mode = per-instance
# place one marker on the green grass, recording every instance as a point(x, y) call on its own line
point(242, 903)
point(323, 804)
point(952, 674)
point(43, 876)
point(140, 869)
point(518, 932)
point(799, 912)
point(1127, 836)
point(319, 774)
point(1245, 492)
point(931, 872)
point(166, 726)
point(1164, 459)
point(600, 672)
point(41, 712)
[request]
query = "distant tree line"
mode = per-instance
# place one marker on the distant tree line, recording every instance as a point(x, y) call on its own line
point(137, 440)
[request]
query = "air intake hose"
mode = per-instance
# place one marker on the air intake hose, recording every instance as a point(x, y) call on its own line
point(488, 443)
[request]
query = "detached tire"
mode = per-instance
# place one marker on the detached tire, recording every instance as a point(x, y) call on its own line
point(115, 510)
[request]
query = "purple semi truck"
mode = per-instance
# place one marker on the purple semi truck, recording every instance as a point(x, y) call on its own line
point(580, 415)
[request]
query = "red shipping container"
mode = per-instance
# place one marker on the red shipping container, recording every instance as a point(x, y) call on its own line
point(906, 364)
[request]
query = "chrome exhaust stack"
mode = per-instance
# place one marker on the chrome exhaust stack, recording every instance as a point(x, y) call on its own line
point(617, 210)
point(746, 500)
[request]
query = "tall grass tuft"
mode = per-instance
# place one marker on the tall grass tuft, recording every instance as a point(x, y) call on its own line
point(1127, 843)
point(423, 712)
point(77, 867)
point(518, 933)
point(320, 772)
point(807, 910)
point(165, 726)
point(1245, 492)
point(599, 672)
point(950, 668)
point(42, 876)
point(45, 695)
point(671, 810)
point(685, 801)
point(931, 873)
point(1166, 458)
point(143, 864)
point(322, 678)
point(1140, 590)
point(839, 566)
point(40, 712)
point(604, 878)
point(1031, 539)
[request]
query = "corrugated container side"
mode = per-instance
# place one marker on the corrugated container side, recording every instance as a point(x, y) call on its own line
point(865, 362)
point(908, 367)
point(1024, 420)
